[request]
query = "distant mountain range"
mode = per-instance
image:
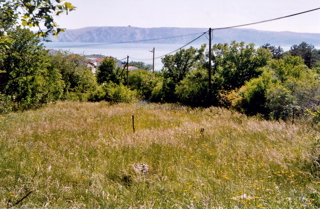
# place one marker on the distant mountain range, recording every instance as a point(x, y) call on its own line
point(183, 36)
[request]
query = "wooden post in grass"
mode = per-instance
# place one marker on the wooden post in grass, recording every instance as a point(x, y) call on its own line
point(133, 124)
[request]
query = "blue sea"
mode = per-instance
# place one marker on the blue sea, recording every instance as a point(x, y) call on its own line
point(136, 52)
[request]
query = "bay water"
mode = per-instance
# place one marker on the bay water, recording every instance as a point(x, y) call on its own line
point(136, 51)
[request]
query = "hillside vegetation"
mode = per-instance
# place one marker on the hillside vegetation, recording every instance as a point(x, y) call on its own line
point(72, 155)
point(217, 151)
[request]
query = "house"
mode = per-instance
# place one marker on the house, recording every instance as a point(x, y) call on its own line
point(131, 68)
point(97, 62)
point(92, 67)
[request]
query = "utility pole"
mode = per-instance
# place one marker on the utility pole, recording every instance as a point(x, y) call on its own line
point(127, 70)
point(209, 67)
point(153, 59)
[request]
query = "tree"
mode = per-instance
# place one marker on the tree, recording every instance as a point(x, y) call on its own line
point(277, 52)
point(108, 72)
point(77, 78)
point(286, 87)
point(175, 69)
point(307, 52)
point(142, 81)
point(177, 66)
point(141, 65)
point(33, 13)
point(24, 74)
point(193, 89)
point(237, 63)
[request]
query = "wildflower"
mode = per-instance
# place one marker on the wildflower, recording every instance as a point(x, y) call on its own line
point(225, 176)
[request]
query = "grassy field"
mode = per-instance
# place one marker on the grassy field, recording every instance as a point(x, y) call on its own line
point(73, 155)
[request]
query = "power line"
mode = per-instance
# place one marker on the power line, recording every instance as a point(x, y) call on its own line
point(184, 45)
point(259, 22)
point(237, 26)
point(222, 28)
point(176, 49)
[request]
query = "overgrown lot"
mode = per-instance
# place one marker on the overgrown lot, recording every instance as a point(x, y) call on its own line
point(72, 155)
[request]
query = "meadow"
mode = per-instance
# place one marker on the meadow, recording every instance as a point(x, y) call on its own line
point(87, 155)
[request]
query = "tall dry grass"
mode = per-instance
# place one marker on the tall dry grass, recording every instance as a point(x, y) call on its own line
point(73, 155)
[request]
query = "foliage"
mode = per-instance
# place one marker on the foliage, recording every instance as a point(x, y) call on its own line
point(33, 13)
point(142, 81)
point(193, 90)
point(175, 68)
point(277, 52)
point(5, 104)
point(307, 52)
point(119, 93)
point(158, 94)
point(315, 114)
point(178, 65)
point(237, 63)
point(108, 72)
point(77, 78)
point(280, 101)
point(141, 65)
point(24, 73)
point(286, 87)
point(302, 85)
point(251, 98)
point(164, 91)
point(115, 93)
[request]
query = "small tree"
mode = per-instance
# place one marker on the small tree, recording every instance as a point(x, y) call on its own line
point(108, 72)
point(307, 52)
point(193, 89)
point(24, 72)
point(77, 78)
point(286, 87)
point(277, 52)
point(237, 63)
point(177, 66)
point(142, 81)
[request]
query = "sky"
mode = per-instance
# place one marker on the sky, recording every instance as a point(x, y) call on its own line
point(193, 14)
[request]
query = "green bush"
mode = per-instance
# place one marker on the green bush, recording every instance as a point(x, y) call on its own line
point(119, 93)
point(315, 115)
point(5, 104)
point(193, 89)
point(143, 82)
point(114, 93)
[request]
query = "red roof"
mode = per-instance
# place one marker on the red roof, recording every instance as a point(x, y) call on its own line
point(98, 59)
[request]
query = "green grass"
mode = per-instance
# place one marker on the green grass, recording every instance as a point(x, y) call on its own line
point(72, 155)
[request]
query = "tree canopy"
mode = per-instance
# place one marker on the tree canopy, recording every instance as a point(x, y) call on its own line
point(33, 13)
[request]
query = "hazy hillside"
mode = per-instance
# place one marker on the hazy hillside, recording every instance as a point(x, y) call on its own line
point(156, 35)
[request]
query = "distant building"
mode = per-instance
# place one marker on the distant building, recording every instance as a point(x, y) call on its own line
point(97, 62)
point(92, 67)
point(131, 68)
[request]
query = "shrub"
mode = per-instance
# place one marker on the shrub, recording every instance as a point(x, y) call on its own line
point(114, 93)
point(193, 89)
point(119, 93)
